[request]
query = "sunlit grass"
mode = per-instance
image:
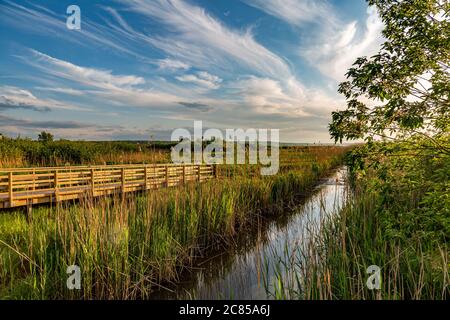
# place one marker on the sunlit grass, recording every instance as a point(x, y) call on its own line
point(127, 249)
point(397, 218)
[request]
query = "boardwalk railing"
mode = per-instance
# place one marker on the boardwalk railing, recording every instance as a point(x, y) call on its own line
point(28, 186)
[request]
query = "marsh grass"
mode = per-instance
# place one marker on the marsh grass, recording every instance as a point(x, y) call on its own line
point(333, 265)
point(397, 218)
point(126, 248)
point(23, 152)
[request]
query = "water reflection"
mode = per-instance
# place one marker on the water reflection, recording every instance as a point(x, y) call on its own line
point(253, 267)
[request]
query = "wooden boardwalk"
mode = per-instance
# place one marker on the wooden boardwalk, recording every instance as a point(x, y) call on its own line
point(28, 186)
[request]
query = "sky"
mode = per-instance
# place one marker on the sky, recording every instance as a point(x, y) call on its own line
point(138, 69)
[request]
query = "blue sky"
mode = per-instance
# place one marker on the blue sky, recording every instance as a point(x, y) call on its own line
point(140, 69)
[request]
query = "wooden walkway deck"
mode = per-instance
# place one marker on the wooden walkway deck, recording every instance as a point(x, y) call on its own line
point(28, 186)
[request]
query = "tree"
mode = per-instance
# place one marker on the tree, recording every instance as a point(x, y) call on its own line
point(45, 137)
point(408, 80)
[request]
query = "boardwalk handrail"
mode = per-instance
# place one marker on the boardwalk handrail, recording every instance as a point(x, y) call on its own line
point(28, 186)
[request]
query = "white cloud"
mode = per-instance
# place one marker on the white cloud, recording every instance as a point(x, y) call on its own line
point(17, 98)
point(118, 90)
point(45, 22)
point(172, 65)
point(201, 40)
point(295, 12)
point(334, 52)
point(289, 98)
point(88, 76)
point(257, 100)
point(335, 45)
point(264, 91)
point(68, 91)
point(203, 79)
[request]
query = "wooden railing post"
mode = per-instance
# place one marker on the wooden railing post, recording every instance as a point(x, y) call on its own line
point(122, 188)
point(92, 182)
point(167, 176)
point(199, 173)
point(10, 189)
point(30, 201)
point(155, 179)
point(34, 180)
point(123, 180)
point(184, 173)
point(56, 185)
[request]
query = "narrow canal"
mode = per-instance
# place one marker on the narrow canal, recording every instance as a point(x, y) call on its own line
point(259, 262)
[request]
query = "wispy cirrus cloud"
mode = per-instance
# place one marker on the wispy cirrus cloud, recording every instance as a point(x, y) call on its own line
point(252, 97)
point(335, 44)
point(66, 91)
point(201, 40)
point(296, 12)
point(9, 104)
point(89, 76)
point(289, 99)
point(13, 98)
point(334, 52)
point(203, 79)
point(172, 65)
point(37, 19)
point(117, 90)
point(173, 61)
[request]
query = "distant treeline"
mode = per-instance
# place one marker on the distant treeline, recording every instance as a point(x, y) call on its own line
point(20, 152)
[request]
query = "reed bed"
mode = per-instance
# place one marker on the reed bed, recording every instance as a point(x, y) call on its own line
point(128, 248)
point(23, 152)
point(397, 218)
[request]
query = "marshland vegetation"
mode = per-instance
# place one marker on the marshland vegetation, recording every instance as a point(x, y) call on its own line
point(397, 218)
point(126, 249)
point(25, 152)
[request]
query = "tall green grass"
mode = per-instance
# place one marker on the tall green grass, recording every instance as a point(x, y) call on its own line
point(21, 152)
point(398, 218)
point(127, 249)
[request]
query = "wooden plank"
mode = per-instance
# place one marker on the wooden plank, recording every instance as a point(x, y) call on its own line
point(11, 195)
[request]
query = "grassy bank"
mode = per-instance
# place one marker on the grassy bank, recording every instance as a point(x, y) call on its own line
point(398, 219)
point(126, 250)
